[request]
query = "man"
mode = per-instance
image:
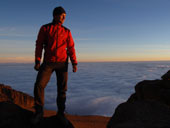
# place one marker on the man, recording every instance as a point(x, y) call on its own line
point(58, 45)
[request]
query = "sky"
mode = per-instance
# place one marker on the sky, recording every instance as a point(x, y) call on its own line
point(103, 30)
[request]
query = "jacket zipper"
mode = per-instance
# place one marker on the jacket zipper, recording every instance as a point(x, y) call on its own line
point(56, 42)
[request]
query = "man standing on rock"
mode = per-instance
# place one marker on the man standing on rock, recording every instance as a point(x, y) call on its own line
point(58, 45)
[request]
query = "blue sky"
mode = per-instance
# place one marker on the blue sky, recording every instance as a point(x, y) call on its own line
point(103, 30)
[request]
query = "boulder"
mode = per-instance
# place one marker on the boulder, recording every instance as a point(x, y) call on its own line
point(157, 90)
point(166, 76)
point(13, 116)
point(10, 95)
point(15, 111)
point(141, 114)
point(148, 107)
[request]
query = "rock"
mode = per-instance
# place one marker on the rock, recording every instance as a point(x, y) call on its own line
point(166, 76)
point(53, 122)
point(141, 114)
point(13, 112)
point(13, 116)
point(148, 107)
point(157, 90)
point(16, 97)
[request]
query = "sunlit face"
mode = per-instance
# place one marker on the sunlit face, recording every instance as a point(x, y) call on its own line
point(60, 18)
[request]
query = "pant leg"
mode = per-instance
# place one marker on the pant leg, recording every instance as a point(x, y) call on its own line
point(43, 78)
point(62, 78)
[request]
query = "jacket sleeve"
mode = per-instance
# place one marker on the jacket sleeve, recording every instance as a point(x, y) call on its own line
point(39, 44)
point(71, 49)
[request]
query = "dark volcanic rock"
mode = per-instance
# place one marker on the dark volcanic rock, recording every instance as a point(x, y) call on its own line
point(16, 97)
point(53, 122)
point(148, 107)
point(13, 116)
point(166, 76)
point(141, 114)
point(13, 112)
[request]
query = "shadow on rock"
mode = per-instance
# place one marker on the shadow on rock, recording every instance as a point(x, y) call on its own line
point(13, 116)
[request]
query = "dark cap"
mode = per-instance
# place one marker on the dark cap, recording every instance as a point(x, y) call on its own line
point(58, 11)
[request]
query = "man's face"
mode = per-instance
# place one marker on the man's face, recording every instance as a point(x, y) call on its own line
point(60, 18)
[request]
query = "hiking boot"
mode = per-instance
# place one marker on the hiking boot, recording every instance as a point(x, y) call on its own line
point(62, 119)
point(37, 118)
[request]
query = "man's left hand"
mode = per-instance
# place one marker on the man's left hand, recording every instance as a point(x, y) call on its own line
point(74, 68)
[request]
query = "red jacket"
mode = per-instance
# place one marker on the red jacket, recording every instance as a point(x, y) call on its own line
point(57, 42)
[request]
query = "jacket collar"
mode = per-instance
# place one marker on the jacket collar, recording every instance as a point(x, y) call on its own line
point(54, 23)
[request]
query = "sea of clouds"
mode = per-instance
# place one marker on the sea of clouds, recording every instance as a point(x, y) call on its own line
point(96, 89)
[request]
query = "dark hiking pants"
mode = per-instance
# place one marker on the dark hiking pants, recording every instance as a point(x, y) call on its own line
point(43, 78)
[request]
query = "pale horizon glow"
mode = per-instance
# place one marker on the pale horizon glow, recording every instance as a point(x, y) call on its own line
point(114, 30)
point(31, 59)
